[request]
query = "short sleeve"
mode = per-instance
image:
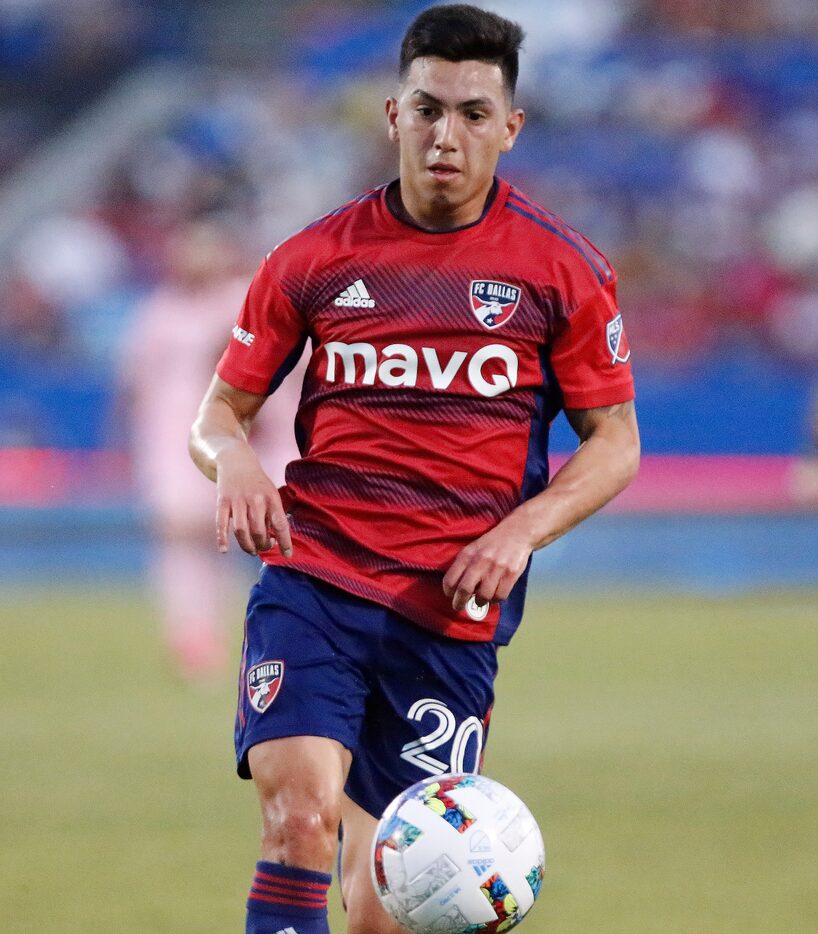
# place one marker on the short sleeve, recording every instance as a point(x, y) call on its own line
point(590, 355)
point(267, 339)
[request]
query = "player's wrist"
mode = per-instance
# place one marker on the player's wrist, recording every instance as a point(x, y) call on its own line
point(234, 453)
point(531, 526)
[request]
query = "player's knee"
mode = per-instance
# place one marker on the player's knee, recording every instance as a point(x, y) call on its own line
point(300, 831)
point(305, 821)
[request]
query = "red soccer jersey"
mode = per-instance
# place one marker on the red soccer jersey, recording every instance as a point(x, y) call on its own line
point(438, 362)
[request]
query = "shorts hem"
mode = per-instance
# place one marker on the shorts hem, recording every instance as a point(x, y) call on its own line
point(263, 736)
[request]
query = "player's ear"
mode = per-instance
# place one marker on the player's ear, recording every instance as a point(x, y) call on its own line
point(514, 123)
point(392, 119)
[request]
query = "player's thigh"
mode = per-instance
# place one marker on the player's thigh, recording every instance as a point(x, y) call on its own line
point(300, 673)
point(364, 912)
point(427, 713)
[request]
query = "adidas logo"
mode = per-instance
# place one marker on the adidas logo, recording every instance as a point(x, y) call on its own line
point(356, 296)
point(287, 931)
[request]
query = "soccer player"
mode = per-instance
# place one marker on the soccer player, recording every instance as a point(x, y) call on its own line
point(450, 319)
point(176, 336)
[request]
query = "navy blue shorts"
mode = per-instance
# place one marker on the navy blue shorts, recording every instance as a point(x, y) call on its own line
point(318, 661)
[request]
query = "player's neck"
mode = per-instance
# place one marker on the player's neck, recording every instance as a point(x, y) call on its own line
point(436, 216)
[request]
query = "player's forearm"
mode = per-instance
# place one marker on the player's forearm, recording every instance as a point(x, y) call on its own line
point(216, 434)
point(603, 465)
point(596, 473)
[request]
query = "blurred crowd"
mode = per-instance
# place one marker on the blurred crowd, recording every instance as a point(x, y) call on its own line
point(680, 135)
point(152, 151)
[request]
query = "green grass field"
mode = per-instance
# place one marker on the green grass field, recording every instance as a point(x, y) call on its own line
point(668, 747)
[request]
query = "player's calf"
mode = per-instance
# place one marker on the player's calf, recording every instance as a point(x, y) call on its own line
point(364, 912)
point(299, 782)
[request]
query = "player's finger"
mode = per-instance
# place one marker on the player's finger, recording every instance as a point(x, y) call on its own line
point(505, 585)
point(222, 524)
point(279, 528)
point(257, 523)
point(241, 528)
point(262, 540)
point(467, 585)
point(461, 597)
point(488, 587)
point(453, 575)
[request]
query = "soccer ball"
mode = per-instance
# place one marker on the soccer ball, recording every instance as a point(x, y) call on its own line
point(457, 854)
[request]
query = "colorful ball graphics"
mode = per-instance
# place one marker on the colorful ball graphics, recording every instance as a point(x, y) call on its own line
point(457, 854)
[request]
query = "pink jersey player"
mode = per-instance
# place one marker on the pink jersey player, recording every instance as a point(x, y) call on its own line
point(175, 338)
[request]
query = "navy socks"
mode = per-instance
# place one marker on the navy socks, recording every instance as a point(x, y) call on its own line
point(287, 900)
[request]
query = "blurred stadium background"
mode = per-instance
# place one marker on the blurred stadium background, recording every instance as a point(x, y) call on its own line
point(658, 710)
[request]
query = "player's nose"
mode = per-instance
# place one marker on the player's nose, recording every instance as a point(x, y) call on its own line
point(445, 139)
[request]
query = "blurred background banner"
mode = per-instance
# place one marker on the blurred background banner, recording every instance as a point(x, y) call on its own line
point(657, 710)
point(682, 137)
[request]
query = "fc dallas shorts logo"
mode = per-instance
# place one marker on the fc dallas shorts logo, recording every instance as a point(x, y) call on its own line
point(264, 683)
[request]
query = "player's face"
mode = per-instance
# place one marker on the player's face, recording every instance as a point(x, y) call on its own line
point(451, 121)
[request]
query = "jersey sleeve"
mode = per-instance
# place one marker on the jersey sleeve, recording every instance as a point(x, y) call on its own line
point(268, 338)
point(590, 354)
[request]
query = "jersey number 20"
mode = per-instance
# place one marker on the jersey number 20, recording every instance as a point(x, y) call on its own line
point(418, 751)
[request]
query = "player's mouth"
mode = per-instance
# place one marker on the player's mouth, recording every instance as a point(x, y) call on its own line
point(443, 172)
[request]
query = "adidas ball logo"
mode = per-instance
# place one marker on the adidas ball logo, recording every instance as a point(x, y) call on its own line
point(355, 296)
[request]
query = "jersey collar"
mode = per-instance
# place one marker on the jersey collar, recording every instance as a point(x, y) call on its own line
point(494, 202)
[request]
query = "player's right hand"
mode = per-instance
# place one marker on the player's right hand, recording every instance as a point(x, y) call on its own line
point(249, 499)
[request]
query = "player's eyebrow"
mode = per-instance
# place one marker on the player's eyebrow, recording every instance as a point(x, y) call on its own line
point(464, 105)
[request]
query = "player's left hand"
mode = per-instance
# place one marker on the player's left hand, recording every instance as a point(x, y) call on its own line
point(490, 566)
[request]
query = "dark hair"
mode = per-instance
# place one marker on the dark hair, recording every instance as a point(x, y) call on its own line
point(459, 32)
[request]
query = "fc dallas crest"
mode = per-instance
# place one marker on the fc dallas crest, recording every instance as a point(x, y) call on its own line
point(264, 683)
point(493, 303)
